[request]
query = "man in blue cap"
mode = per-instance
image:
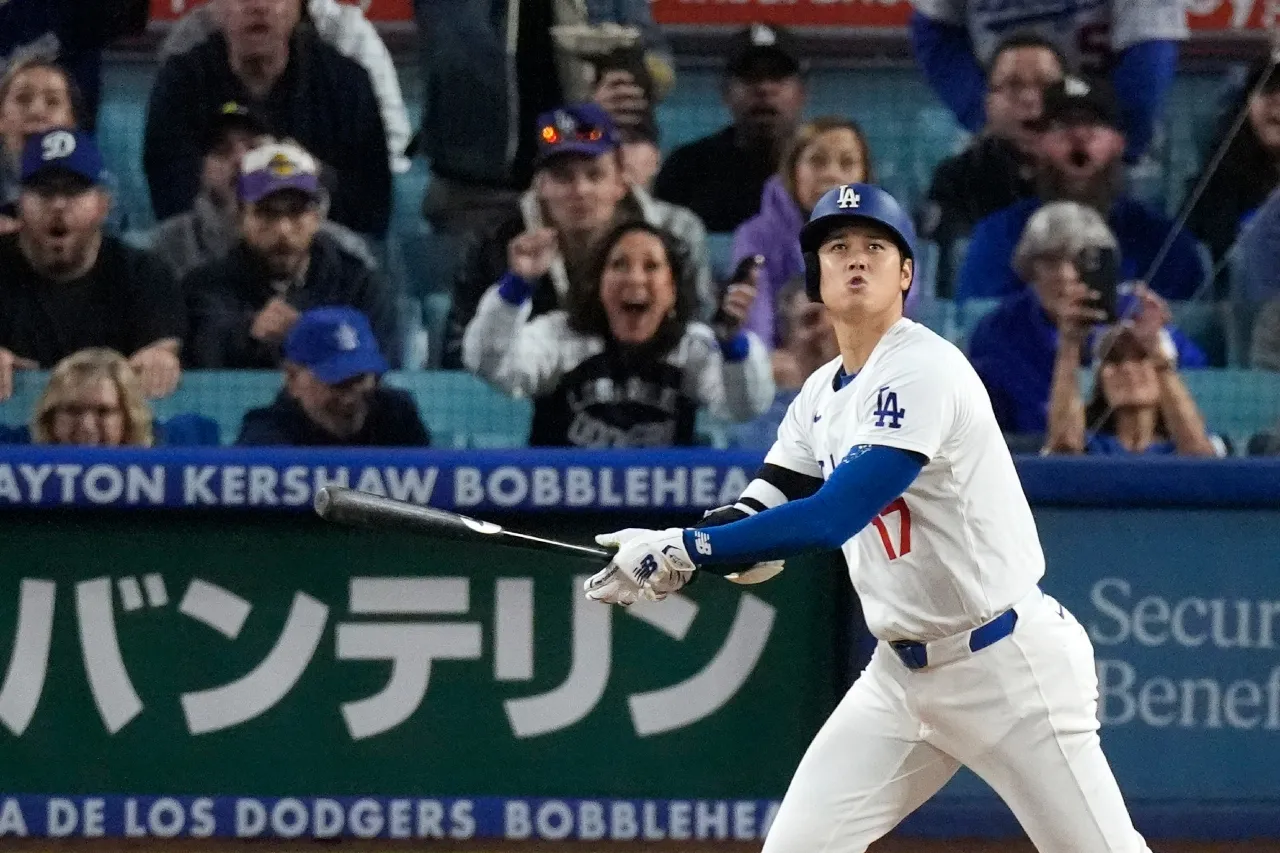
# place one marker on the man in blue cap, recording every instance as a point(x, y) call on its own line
point(65, 286)
point(331, 394)
point(543, 250)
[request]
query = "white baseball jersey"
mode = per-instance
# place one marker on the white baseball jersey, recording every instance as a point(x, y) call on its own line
point(960, 546)
point(1086, 31)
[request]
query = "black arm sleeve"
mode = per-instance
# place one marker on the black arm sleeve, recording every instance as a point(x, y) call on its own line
point(793, 484)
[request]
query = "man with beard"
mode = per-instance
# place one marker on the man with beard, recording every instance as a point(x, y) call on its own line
point(721, 177)
point(997, 169)
point(65, 286)
point(244, 305)
point(1078, 156)
point(300, 86)
point(331, 395)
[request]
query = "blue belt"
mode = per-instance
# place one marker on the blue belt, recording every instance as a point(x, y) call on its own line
point(916, 655)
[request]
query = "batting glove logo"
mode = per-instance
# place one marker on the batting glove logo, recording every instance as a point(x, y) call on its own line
point(702, 543)
point(645, 570)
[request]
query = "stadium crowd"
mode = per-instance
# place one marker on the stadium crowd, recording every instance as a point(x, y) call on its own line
point(583, 269)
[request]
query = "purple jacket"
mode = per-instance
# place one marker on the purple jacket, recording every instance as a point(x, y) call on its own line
point(775, 233)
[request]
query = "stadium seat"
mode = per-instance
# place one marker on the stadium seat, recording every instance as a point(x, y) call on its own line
point(967, 315)
point(1206, 324)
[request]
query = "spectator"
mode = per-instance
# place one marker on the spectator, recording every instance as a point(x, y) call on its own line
point(72, 33)
point(825, 153)
point(210, 229)
point(1078, 159)
point(1139, 404)
point(1137, 42)
point(489, 75)
point(36, 95)
point(342, 25)
point(65, 286)
point(93, 398)
point(626, 90)
point(721, 177)
point(625, 365)
point(1015, 347)
point(1258, 261)
point(303, 89)
point(578, 195)
point(332, 395)
point(244, 304)
point(1250, 169)
point(997, 169)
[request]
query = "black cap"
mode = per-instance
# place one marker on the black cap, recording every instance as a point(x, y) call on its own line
point(763, 52)
point(1076, 100)
point(233, 116)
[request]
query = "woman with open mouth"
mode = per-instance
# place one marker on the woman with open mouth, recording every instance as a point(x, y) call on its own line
point(624, 365)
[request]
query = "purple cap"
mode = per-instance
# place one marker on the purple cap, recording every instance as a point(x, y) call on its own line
point(272, 168)
point(335, 343)
point(63, 149)
point(583, 129)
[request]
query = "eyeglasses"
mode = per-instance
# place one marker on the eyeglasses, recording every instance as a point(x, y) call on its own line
point(552, 135)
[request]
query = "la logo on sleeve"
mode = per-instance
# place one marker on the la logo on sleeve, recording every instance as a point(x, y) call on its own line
point(887, 412)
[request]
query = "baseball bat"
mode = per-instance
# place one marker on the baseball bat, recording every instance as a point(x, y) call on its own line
point(361, 509)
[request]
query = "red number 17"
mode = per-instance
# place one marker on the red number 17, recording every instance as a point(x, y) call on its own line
point(904, 528)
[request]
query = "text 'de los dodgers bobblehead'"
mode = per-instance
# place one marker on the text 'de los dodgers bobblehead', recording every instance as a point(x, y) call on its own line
point(892, 454)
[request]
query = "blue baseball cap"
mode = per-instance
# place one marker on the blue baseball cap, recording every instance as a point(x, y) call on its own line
point(335, 343)
point(63, 149)
point(583, 129)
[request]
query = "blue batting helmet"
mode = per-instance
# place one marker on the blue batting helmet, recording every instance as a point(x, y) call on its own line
point(840, 206)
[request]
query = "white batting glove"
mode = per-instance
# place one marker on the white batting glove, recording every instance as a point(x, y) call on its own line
point(649, 564)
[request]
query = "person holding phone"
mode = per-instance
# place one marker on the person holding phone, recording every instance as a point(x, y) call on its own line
point(824, 153)
point(1068, 256)
point(626, 363)
point(1139, 403)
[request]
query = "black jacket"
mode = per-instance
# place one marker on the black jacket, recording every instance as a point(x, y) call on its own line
point(393, 421)
point(224, 295)
point(325, 101)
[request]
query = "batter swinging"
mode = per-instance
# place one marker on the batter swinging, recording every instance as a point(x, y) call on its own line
point(891, 452)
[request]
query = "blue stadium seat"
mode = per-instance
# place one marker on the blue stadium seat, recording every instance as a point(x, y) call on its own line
point(1206, 324)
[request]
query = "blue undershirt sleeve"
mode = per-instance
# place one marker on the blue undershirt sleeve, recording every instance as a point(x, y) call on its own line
point(945, 55)
point(868, 479)
point(1142, 78)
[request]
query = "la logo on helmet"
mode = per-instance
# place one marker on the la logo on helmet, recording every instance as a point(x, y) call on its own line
point(848, 198)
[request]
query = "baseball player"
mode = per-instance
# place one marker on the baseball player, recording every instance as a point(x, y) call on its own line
point(891, 452)
point(1135, 42)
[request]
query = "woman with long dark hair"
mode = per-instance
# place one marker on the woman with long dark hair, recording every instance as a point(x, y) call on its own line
point(624, 364)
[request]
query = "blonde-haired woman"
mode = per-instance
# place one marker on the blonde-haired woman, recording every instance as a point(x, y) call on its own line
point(824, 153)
point(93, 398)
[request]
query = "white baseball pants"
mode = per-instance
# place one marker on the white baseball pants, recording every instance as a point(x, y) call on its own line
point(1021, 713)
